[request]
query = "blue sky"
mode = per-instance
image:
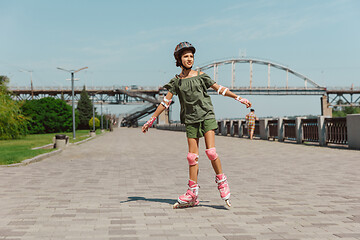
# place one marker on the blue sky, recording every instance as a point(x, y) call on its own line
point(132, 42)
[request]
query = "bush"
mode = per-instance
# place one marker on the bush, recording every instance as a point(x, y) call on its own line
point(97, 123)
point(12, 123)
point(48, 115)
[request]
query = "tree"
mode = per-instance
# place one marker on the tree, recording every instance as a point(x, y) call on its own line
point(345, 111)
point(85, 109)
point(49, 115)
point(12, 123)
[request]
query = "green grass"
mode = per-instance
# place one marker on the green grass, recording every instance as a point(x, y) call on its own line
point(17, 150)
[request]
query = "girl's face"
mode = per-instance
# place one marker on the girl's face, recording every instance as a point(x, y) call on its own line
point(187, 59)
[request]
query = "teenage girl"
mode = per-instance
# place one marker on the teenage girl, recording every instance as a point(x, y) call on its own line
point(197, 114)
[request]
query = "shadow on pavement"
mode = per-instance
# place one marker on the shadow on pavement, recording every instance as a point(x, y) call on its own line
point(161, 200)
point(171, 202)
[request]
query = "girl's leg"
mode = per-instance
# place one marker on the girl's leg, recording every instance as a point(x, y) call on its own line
point(210, 143)
point(190, 198)
point(193, 144)
point(220, 177)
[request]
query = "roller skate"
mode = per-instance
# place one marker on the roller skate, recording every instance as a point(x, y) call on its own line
point(189, 199)
point(223, 187)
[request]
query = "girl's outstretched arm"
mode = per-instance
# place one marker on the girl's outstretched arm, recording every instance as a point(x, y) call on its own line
point(226, 92)
point(164, 105)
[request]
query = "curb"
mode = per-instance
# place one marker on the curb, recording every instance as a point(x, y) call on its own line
point(44, 155)
point(33, 160)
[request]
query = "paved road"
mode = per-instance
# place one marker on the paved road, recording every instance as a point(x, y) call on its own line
point(122, 185)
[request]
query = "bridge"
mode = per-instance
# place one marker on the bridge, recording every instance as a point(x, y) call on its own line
point(294, 83)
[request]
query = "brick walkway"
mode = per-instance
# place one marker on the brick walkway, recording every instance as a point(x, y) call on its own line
point(122, 186)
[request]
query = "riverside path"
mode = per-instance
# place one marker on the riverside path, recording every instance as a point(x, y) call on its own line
point(122, 185)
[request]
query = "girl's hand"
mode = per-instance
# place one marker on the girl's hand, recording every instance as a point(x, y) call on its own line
point(148, 124)
point(145, 128)
point(243, 101)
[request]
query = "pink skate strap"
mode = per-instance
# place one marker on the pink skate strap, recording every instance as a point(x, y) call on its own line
point(191, 183)
point(189, 192)
point(220, 178)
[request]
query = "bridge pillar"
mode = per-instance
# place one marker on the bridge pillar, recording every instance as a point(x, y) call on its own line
point(325, 110)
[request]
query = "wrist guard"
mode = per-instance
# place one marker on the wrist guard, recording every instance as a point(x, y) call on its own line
point(242, 100)
point(150, 122)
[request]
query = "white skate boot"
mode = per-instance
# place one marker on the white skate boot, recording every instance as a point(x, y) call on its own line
point(189, 199)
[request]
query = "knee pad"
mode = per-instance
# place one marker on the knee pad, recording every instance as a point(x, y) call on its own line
point(192, 158)
point(211, 153)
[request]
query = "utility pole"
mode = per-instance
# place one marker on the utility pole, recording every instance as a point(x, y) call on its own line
point(72, 93)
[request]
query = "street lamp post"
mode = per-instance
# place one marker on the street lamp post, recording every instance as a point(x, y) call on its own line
point(32, 89)
point(93, 113)
point(72, 93)
point(102, 126)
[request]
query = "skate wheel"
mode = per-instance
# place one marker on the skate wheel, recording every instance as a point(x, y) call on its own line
point(176, 205)
point(228, 202)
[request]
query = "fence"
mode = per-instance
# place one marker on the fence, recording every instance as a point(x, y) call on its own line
point(289, 129)
point(310, 130)
point(273, 129)
point(336, 130)
point(321, 130)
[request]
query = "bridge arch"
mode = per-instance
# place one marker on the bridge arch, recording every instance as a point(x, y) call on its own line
point(252, 61)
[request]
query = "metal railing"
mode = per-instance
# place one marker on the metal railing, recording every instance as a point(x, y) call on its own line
point(289, 129)
point(235, 128)
point(310, 130)
point(336, 130)
point(273, 129)
point(321, 130)
point(228, 127)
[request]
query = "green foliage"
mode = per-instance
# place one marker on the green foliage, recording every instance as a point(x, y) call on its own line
point(12, 123)
point(48, 115)
point(343, 111)
point(85, 109)
point(97, 123)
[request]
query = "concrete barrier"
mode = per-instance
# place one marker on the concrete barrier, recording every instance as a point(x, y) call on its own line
point(353, 130)
point(264, 129)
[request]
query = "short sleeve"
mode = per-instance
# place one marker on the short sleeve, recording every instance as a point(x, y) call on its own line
point(207, 80)
point(171, 86)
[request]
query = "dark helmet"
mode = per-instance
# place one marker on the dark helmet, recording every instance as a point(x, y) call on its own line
point(180, 48)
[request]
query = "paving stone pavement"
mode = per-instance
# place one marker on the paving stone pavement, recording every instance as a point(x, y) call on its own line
point(122, 185)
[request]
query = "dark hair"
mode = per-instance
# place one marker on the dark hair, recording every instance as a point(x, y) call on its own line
point(252, 110)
